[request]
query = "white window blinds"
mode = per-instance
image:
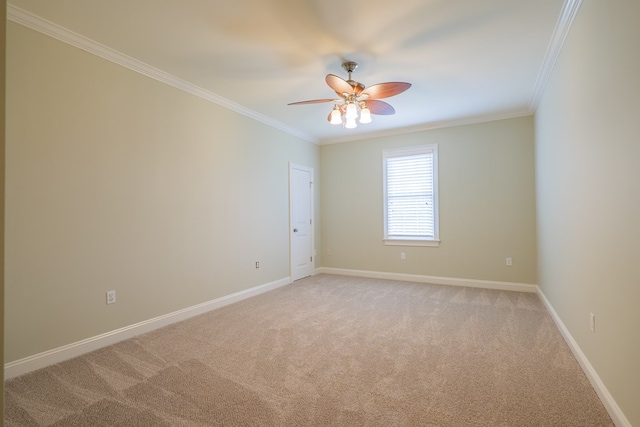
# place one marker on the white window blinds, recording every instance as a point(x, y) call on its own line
point(410, 193)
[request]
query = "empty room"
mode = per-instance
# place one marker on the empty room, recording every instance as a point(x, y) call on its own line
point(270, 212)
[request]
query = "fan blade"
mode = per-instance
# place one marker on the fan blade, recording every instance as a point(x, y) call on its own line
point(385, 90)
point(379, 107)
point(314, 101)
point(339, 85)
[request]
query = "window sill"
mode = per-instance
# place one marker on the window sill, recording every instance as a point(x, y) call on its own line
point(397, 242)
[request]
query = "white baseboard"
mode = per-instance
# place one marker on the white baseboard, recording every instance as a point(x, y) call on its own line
point(60, 354)
point(435, 280)
point(616, 414)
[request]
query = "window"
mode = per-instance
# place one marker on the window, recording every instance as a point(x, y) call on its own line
point(410, 180)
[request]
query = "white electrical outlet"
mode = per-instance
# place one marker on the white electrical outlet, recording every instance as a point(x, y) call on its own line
point(111, 297)
point(509, 261)
point(402, 255)
point(592, 322)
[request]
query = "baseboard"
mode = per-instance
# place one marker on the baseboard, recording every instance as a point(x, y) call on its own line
point(616, 414)
point(435, 280)
point(60, 354)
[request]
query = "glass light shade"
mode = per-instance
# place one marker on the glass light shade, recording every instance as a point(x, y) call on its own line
point(336, 118)
point(351, 123)
point(365, 115)
point(352, 111)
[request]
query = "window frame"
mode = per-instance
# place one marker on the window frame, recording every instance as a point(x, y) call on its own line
point(431, 149)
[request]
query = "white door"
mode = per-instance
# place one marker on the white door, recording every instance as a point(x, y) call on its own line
point(301, 221)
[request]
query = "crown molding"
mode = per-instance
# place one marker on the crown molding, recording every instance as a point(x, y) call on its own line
point(560, 33)
point(430, 126)
point(64, 35)
point(568, 13)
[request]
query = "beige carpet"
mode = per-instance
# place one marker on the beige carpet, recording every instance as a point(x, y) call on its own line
point(328, 350)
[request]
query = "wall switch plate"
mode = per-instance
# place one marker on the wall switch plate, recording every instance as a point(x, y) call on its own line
point(509, 261)
point(402, 255)
point(592, 322)
point(111, 297)
point(257, 264)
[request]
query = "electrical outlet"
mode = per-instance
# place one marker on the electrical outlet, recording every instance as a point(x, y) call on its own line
point(403, 255)
point(509, 261)
point(257, 264)
point(328, 252)
point(111, 297)
point(592, 322)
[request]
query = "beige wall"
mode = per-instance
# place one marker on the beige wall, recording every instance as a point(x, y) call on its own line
point(588, 184)
point(487, 204)
point(3, 23)
point(117, 181)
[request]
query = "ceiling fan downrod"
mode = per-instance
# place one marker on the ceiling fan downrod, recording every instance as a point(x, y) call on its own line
point(349, 67)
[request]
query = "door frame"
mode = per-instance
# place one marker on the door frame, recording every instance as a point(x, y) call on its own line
point(312, 215)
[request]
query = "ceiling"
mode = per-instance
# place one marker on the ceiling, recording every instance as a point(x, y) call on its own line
point(467, 60)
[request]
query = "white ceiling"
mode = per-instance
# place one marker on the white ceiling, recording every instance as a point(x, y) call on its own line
point(468, 60)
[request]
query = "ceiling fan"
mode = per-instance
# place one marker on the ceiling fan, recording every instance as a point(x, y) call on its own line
point(354, 97)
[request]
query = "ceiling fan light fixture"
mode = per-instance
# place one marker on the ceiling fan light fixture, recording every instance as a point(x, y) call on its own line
point(336, 116)
point(350, 123)
point(352, 111)
point(365, 115)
